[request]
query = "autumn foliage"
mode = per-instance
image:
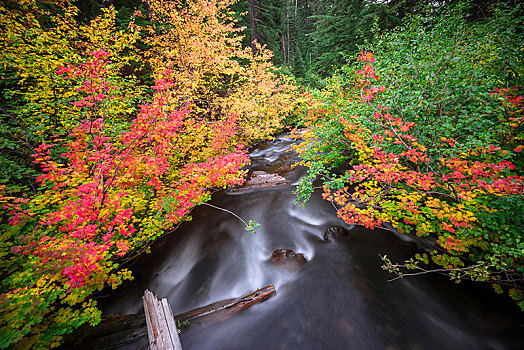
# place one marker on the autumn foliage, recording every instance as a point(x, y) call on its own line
point(117, 162)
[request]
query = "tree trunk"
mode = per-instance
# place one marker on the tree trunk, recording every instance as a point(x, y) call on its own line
point(252, 27)
point(284, 50)
point(287, 29)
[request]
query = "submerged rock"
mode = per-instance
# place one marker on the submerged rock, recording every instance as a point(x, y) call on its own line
point(335, 232)
point(288, 258)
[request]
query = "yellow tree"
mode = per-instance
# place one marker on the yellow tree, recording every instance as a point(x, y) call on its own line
point(198, 39)
point(263, 99)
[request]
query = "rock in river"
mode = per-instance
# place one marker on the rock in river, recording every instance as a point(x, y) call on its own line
point(288, 258)
point(261, 180)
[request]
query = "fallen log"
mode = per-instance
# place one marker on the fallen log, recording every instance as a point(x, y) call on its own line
point(115, 331)
point(161, 327)
point(224, 309)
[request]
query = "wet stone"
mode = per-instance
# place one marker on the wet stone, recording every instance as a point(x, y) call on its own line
point(261, 180)
point(335, 232)
point(287, 258)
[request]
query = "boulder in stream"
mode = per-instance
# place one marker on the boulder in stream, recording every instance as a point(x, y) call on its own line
point(288, 258)
point(261, 179)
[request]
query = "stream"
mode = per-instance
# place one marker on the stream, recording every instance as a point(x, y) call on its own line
point(340, 299)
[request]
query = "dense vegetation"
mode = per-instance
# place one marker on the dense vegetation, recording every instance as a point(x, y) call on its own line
point(117, 120)
point(428, 123)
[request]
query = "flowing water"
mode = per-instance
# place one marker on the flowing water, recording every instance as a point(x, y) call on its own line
point(341, 299)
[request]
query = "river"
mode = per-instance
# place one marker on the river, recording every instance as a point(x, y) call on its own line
point(341, 299)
